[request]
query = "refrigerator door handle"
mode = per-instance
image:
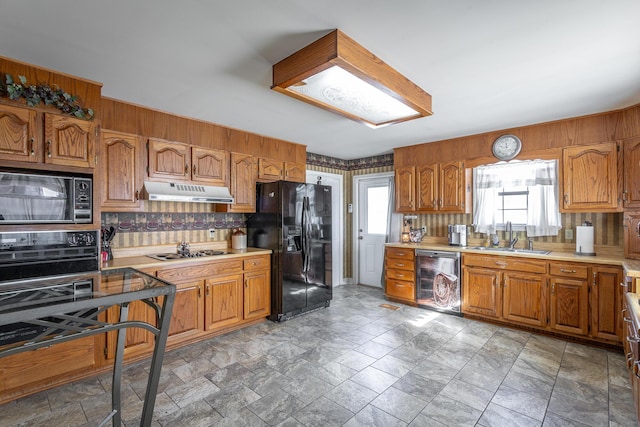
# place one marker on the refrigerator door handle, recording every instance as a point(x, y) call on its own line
point(306, 236)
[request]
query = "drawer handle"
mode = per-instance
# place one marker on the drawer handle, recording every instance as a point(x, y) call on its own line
point(400, 265)
point(399, 275)
point(400, 253)
point(562, 270)
point(501, 263)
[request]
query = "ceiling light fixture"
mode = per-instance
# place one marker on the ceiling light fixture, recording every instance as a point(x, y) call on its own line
point(339, 75)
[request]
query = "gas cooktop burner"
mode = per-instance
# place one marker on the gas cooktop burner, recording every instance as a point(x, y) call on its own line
point(196, 254)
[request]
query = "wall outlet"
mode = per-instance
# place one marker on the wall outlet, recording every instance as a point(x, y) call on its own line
point(568, 234)
point(212, 233)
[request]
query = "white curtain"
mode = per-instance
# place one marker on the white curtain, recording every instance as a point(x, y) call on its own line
point(539, 176)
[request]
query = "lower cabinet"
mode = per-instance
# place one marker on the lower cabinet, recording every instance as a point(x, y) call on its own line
point(505, 288)
point(579, 299)
point(223, 306)
point(400, 276)
point(187, 317)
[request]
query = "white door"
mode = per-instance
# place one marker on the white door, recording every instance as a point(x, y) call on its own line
point(373, 201)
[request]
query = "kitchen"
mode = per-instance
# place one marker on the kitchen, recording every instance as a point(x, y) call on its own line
point(123, 117)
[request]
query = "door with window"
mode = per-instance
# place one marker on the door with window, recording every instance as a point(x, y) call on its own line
point(373, 203)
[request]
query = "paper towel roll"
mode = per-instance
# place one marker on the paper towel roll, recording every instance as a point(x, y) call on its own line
point(584, 240)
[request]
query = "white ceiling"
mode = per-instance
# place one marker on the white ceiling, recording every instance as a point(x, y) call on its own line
point(491, 64)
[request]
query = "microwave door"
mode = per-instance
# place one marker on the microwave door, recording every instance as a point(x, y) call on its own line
point(34, 199)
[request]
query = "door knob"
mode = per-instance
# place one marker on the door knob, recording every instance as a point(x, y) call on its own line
point(359, 237)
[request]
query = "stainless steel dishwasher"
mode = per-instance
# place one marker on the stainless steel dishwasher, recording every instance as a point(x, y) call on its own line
point(438, 280)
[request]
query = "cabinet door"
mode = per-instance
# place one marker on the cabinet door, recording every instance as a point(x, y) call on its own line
point(223, 301)
point(632, 235)
point(590, 178)
point(187, 316)
point(209, 166)
point(427, 188)
point(295, 172)
point(18, 135)
point(138, 341)
point(451, 187)
point(270, 169)
point(169, 160)
point(29, 370)
point(481, 293)
point(569, 305)
point(525, 297)
point(405, 189)
point(606, 303)
point(69, 141)
point(257, 294)
point(121, 171)
point(631, 195)
point(243, 183)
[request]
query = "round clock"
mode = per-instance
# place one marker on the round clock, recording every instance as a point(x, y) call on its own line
point(507, 147)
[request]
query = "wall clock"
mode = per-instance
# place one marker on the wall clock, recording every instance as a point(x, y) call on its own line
point(507, 147)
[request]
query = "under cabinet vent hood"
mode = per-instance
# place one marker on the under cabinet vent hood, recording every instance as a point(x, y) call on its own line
point(182, 192)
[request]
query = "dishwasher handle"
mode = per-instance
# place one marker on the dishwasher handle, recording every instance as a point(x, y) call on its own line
point(437, 254)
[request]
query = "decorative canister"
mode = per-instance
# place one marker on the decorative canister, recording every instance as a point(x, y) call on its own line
point(239, 239)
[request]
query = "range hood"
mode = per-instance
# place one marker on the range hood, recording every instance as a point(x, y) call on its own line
point(181, 192)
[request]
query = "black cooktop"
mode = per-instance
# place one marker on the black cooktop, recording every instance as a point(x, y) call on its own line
point(195, 254)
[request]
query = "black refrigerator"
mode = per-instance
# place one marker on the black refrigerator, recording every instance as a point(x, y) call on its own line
point(294, 221)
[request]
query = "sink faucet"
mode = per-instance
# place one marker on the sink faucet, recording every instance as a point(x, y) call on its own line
point(512, 240)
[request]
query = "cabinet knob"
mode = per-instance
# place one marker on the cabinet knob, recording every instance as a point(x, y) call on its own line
point(137, 195)
point(33, 153)
point(566, 198)
point(49, 148)
point(246, 283)
point(186, 168)
point(562, 270)
point(194, 169)
point(553, 288)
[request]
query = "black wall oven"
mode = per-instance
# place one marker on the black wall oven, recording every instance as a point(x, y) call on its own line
point(438, 280)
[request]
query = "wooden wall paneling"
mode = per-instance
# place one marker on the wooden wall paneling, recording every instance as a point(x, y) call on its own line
point(631, 122)
point(87, 91)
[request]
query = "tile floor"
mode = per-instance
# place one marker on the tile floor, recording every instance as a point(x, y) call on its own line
point(359, 364)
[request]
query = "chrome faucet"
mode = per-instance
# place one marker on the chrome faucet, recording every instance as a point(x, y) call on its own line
point(512, 240)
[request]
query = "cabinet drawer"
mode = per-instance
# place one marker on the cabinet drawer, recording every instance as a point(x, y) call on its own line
point(505, 263)
point(401, 289)
point(569, 270)
point(200, 271)
point(400, 274)
point(400, 264)
point(257, 263)
point(401, 253)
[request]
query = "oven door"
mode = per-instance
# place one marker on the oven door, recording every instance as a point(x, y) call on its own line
point(32, 199)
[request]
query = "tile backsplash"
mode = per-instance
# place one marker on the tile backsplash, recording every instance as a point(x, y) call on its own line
point(169, 222)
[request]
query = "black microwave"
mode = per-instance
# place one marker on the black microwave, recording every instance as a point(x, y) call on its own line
point(40, 198)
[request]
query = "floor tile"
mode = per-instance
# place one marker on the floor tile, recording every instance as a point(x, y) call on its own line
point(451, 412)
point(374, 379)
point(498, 416)
point(351, 396)
point(521, 402)
point(371, 416)
point(399, 404)
point(471, 395)
point(323, 412)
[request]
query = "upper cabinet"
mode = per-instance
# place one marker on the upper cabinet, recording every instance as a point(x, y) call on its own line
point(439, 187)
point(121, 170)
point(590, 178)
point(18, 133)
point(243, 184)
point(631, 191)
point(274, 170)
point(175, 161)
point(29, 136)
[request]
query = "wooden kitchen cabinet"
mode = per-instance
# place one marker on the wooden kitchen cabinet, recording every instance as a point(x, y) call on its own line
point(295, 172)
point(69, 141)
point(405, 179)
point(400, 274)
point(631, 221)
point(507, 288)
point(223, 301)
point(569, 298)
point(30, 136)
point(481, 292)
point(631, 173)
point(121, 169)
point(19, 139)
point(257, 287)
point(176, 161)
point(440, 187)
point(138, 342)
point(243, 184)
point(270, 169)
point(590, 178)
point(606, 303)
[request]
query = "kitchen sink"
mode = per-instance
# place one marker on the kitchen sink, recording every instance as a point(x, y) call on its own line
point(517, 251)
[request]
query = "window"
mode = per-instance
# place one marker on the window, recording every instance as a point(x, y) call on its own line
point(377, 201)
point(523, 192)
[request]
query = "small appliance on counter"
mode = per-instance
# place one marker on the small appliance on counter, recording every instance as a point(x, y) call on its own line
point(239, 239)
point(584, 239)
point(457, 234)
point(416, 235)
